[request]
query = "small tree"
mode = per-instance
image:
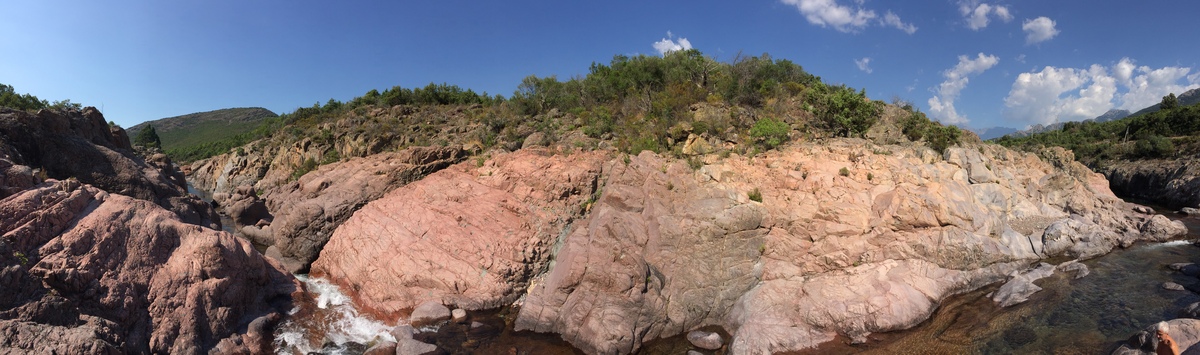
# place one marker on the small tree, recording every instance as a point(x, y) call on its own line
point(770, 132)
point(1169, 102)
point(147, 137)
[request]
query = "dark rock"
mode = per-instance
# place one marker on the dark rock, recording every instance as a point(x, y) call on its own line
point(1019, 335)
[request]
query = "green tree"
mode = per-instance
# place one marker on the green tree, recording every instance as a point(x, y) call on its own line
point(147, 137)
point(1169, 102)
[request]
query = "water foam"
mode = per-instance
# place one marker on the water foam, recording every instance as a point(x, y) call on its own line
point(335, 322)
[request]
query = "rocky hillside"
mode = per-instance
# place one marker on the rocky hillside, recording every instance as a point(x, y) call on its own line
point(615, 215)
point(102, 252)
point(1146, 156)
point(190, 131)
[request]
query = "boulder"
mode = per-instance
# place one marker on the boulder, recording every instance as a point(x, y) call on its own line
point(705, 340)
point(1160, 228)
point(1189, 269)
point(1074, 269)
point(1172, 286)
point(410, 346)
point(1020, 287)
point(382, 348)
point(470, 236)
point(429, 313)
point(1191, 211)
point(458, 315)
point(307, 211)
point(108, 272)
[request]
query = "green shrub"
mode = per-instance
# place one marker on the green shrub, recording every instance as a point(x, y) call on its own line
point(942, 137)
point(844, 172)
point(770, 132)
point(755, 195)
point(1154, 146)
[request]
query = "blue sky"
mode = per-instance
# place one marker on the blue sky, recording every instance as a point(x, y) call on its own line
point(977, 63)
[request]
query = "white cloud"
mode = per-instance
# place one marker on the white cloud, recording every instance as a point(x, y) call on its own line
point(1039, 30)
point(978, 14)
point(1066, 94)
point(864, 64)
point(830, 13)
point(893, 20)
point(669, 44)
point(941, 105)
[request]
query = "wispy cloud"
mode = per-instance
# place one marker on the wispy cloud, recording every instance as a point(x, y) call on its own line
point(893, 20)
point(864, 64)
point(978, 14)
point(1039, 30)
point(669, 44)
point(941, 105)
point(830, 13)
point(1068, 94)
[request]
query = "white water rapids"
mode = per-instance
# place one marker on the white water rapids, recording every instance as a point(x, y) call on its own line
point(329, 329)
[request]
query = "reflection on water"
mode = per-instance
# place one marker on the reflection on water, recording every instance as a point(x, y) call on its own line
point(1123, 294)
point(226, 222)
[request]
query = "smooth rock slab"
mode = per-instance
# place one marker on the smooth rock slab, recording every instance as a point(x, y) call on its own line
point(705, 340)
point(428, 313)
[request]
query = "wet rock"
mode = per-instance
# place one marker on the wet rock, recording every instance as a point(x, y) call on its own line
point(458, 315)
point(1188, 269)
point(1019, 336)
point(1172, 286)
point(414, 347)
point(1073, 268)
point(430, 312)
point(1143, 209)
point(1160, 228)
point(1189, 211)
point(705, 340)
point(1185, 332)
point(1191, 311)
point(403, 331)
point(1020, 287)
point(382, 348)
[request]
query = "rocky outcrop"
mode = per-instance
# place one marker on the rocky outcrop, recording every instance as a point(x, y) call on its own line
point(471, 235)
point(87, 271)
point(1173, 183)
point(1020, 286)
point(839, 238)
point(306, 212)
point(785, 250)
point(80, 145)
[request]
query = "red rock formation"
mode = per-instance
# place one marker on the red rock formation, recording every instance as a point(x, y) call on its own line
point(87, 271)
point(467, 236)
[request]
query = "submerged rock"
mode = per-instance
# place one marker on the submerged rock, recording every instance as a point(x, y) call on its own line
point(1020, 287)
point(705, 340)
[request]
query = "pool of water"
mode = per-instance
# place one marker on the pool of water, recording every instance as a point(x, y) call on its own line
point(1093, 315)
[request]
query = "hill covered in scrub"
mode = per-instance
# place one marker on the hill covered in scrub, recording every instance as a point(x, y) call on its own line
point(681, 102)
point(181, 133)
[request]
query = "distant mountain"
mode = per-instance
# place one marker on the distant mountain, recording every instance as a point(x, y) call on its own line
point(1190, 97)
point(202, 127)
point(1112, 115)
point(993, 132)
